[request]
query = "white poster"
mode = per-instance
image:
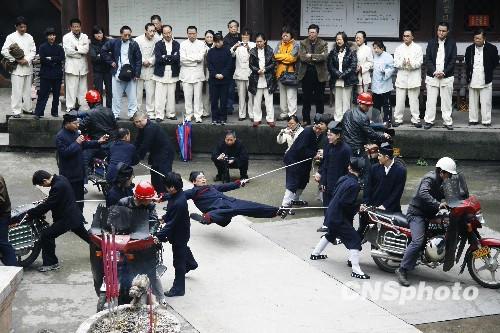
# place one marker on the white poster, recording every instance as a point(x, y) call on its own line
point(204, 14)
point(378, 18)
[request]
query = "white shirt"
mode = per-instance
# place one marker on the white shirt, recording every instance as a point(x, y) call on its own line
point(445, 81)
point(340, 82)
point(147, 48)
point(478, 78)
point(409, 75)
point(242, 54)
point(262, 83)
point(75, 50)
point(27, 44)
point(167, 76)
point(365, 60)
point(192, 55)
point(388, 168)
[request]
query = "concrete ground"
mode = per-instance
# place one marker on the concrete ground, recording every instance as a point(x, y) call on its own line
point(255, 275)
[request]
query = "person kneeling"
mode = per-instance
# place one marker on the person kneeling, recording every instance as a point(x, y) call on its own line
point(339, 216)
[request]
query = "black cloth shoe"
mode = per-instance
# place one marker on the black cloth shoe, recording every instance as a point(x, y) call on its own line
point(241, 119)
point(449, 127)
point(396, 124)
point(487, 125)
point(428, 126)
point(17, 116)
point(322, 229)
point(473, 123)
point(159, 120)
point(199, 218)
point(283, 212)
point(299, 203)
point(417, 125)
point(173, 292)
point(172, 118)
point(402, 277)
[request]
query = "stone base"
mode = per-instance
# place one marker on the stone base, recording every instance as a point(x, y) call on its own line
point(10, 277)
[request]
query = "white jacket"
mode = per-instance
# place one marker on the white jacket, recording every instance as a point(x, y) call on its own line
point(242, 54)
point(409, 75)
point(76, 50)
point(287, 136)
point(192, 55)
point(26, 43)
point(147, 48)
point(205, 64)
point(365, 60)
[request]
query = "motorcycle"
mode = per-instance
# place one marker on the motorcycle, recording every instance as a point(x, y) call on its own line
point(97, 174)
point(25, 232)
point(136, 250)
point(390, 235)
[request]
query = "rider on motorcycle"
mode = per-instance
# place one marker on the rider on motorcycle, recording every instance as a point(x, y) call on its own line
point(122, 185)
point(424, 205)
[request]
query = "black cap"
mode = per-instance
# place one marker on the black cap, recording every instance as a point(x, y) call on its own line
point(386, 149)
point(335, 126)
point(50, 31)
point(218, 37)
point(69, 117)
point(357, 164)
point(124, 172)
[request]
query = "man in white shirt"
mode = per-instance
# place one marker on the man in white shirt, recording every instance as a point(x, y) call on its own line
point(408, 59)
point(440, 58)
point(76, 46)
point(192, 52)
point(147, 43)
point(21, 76)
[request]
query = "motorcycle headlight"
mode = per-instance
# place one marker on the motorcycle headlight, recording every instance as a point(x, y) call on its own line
point(480, 218)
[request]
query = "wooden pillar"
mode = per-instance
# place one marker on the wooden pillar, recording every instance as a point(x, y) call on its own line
point(256, 16)
point(444, 12)
point(69, 11)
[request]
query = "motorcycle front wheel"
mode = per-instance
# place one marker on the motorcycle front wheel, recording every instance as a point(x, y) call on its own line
point(30, 257)
point(386, 265)
point(485, 270)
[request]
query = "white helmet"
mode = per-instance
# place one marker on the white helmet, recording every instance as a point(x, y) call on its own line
point(447, 164)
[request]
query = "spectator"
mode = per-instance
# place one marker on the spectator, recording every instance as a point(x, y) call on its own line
point(22, 56)
point(192, 53)
point(100, 69)
point(440, 58)
point(342, 64)
point(76, 46)
point(166, 74)
point(219, 62)
point(156, 20)
point(383, 68)
point(242, 54)
point(313, 73)
point(230, 154)
point(146, 44)
point(481, 58)
point(209, 43)
point(230, 41)
point(364, 58)
point(285, 54)
point(51, 72)
point(290, 133)
point(8, 257)
point(262, 81)
point(121, 151)
point(408, 59)
point(124, 56)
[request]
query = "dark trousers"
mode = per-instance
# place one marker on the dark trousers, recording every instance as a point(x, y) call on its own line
point(48, 240)
point(183, 260)
point(218, 101)
point(223, 216)
point(8, 254)
point(417, 227)
point(157, 180)
point(99, 79)
point(312, 92)
point(230, 96)
point(346, 233)
point(78, 191)
point(223, 168)
point(327, 197)
point(48, 86)
point(383, 103)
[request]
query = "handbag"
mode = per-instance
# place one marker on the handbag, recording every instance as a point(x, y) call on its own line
point(289, 78)
point(126, 73)
point(8, 66)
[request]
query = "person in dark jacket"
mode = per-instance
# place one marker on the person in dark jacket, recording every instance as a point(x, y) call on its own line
point(424, 205)
point(335, 163)
point(262, 81)
point(122, 185)
point(66, 216)
point(231, 40)
point(385, 185)
point(176, 231)
point(120, 151)
point(440, 58)
point(70, 145)
point(305, 147)
point(51, 72)
point(481, 58)
point(342, 65)
point(230, 154)
point(6, 250)
point(220, 209)
point(339, 217)
point(123, 54)
point(101, 70)
point(219, 63)
point(152, 139)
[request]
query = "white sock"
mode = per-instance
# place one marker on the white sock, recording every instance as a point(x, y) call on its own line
point(320, 247)
point(354, 258)
point(287, 198)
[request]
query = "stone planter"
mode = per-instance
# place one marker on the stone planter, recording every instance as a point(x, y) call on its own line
point(10, 277)
point(166, 323)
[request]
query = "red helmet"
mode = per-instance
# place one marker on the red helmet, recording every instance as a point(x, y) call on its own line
point(145, 191)
point(93, 96)
point(365, 98)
